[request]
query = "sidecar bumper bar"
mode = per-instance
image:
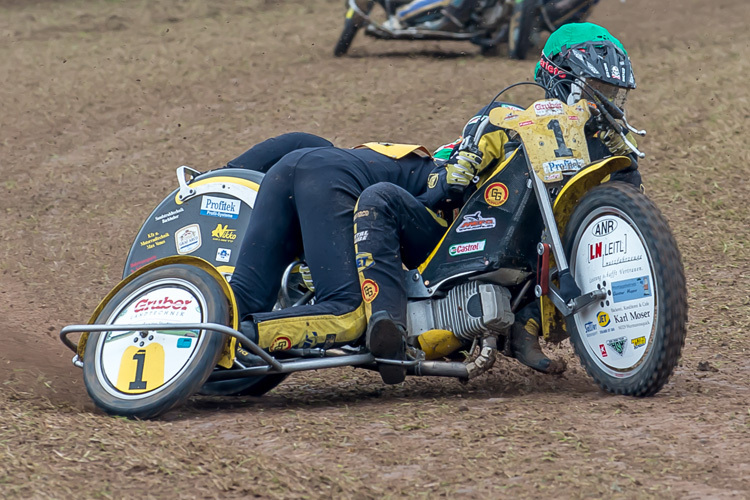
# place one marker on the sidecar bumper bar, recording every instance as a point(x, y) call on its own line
point(215, 327)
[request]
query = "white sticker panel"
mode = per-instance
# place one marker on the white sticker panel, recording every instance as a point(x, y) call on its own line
point(135, 362)
point(610, 255)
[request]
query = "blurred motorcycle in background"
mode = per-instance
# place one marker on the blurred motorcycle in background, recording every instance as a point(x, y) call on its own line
point(489, 23)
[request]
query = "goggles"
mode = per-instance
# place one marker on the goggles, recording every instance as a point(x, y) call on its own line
point(614, 94)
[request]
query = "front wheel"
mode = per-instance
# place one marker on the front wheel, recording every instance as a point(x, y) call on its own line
point(145, 373)
point(617, 240)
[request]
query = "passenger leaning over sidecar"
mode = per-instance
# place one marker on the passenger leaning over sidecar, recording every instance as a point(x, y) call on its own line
point(394, 226)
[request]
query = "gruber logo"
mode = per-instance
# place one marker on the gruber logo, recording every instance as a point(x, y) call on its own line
point(462, 248)
point(161, 305)
point(370, 290)
point(547, 108)
point(496, 194)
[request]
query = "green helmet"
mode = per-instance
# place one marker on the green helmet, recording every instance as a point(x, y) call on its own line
point(580, 57)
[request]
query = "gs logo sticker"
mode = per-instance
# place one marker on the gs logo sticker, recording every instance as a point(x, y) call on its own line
point(602, 318)
point(432, 180)
point(280, 344)
point(370, 290)
point(496, 194)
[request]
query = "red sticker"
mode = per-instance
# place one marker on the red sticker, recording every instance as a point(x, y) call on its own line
point(496, 194)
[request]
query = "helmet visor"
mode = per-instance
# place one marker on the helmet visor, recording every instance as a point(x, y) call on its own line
point(614, 94)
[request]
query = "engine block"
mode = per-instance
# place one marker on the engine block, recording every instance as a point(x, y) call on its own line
point(469, 310)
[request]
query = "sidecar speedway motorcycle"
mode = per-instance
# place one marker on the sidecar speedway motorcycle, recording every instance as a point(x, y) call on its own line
point(546, 224)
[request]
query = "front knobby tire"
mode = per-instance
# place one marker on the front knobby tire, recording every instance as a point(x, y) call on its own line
point(630, 342)
point(145, 374)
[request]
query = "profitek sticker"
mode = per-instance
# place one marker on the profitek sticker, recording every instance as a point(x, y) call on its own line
point(225, 208)
point(496, 194)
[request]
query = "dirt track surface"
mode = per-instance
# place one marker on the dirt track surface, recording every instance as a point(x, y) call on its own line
point(102, 100)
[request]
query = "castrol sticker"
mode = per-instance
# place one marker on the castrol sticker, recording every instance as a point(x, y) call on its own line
point(610, 255)
point(464, 248)
point(548, 108)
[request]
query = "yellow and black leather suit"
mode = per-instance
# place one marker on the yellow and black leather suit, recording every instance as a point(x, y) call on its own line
point(394, 228)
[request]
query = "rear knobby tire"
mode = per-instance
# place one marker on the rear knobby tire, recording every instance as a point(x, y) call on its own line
point(630, 342)
point(524, 29)
point(352, 25)
point(141, 377)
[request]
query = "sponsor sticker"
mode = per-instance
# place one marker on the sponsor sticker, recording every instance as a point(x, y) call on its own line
point(590, 328)
point(474, 222)
point(169, 216)
point(280, 344)
point(361, 236)
point(154, 240)
point(188, 239)
point(139, 264)
point(463, 248)
point(603, 227)
point(215, 206)
point(618, 345)
point(611, 252)
point(526, 123)
point(432, 180)
point(224, 234)
point(496, 194)
point(361, 213)
point(370, 290)
point(638, 342)
point(632, 289)
point(603, 350)
point(223, 254)
point(602, 318)
point(184, 343)
point(548, 108)
point(564, 165)
point(364, 261)
point(511, 116)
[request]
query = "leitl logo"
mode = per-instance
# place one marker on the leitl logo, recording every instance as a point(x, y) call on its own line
point(161, 304)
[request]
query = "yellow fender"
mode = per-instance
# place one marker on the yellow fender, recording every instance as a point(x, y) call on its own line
point(227, 358)
point(553, 323)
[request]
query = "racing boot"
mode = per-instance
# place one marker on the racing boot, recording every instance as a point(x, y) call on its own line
point(242, 355)
point(386, 339)
point(524, 345)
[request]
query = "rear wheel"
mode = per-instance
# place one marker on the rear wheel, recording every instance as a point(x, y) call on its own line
point(352, 24)
point(617, 240)
point(145, 373)
point(524, 29)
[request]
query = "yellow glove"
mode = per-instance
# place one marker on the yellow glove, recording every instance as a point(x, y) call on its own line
point(462, 167)
point(616, 144)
